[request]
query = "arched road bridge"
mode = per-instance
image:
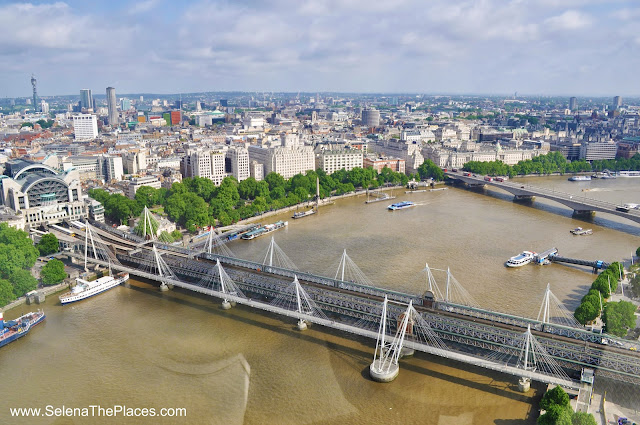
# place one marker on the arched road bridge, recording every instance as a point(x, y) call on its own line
point(521, 191)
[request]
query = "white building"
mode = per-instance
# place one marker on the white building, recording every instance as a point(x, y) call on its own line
point(85, 127)
point(333, 160)
point(112, 168)
point(256, 170)
point(598, 150)
point(237, 162)
point(41, 194)
point(209, 164)
point(286, 161)
point(137, 183)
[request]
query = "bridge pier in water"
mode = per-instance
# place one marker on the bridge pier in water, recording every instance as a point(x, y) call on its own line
point(583, 213)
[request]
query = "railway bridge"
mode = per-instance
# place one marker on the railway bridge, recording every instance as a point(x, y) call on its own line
point(544, 349)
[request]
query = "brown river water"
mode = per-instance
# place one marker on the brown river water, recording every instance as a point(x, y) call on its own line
point(140, 348)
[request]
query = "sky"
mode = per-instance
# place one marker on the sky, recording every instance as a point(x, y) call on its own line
point(547, 47)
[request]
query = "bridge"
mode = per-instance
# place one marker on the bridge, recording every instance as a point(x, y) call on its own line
point(540, 349)
point(581, 205)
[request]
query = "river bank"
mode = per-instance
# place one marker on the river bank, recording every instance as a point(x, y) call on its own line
point(45, 291)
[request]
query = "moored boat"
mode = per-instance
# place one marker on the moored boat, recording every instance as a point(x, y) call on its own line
point(580, 231)
point(521, 259)
point(628, 173)
point(85, 289)
point(14, 329)
point(302, 214)
point(263, 230)
point(580, 178)
point(401, 205)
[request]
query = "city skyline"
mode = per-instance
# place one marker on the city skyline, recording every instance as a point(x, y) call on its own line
point(572, 48)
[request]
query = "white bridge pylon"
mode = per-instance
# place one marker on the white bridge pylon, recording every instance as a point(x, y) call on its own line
point(534, 358)
point(275, 256)
point(295, 298)
point(385, 359)
point(453, 292)
point(348, 271)
point(227, 286)
point(552, 310)
point(99, 249)
point(215, 245)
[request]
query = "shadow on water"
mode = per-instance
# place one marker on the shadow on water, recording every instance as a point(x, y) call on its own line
point(359, 355)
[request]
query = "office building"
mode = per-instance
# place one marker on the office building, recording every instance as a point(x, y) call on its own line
point(333, 160)
point(573, 104)
point(112, 106)
point(378, 163)
point(85, 127)
point(137, 183)
point(617, 102)
point(86, 99)
point(44, 107)
point(598, 150)
point(237, 162)
point(209, 164)
point(125, 104)
point(370, 117)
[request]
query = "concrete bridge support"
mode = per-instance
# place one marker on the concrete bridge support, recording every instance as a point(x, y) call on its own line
point(525, 198)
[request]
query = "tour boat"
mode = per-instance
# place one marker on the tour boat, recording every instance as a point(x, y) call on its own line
point(303, 213)
point(521, 259)
point(85, 289)
point(580, 178)
point(401, 205)
point(263, 230)
point(628, 173)
point(14, 329)
point(580, 231)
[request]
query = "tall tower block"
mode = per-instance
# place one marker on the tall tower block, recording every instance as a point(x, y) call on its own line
point(35, 92)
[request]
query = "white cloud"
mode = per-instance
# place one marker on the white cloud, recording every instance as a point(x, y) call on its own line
point(142, 6)
point(569, 20)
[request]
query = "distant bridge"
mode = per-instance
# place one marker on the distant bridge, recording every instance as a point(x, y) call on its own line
point(522, 191)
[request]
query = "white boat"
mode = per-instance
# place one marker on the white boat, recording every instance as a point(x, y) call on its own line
point(401, 205)
point(302, 214)
point(628, 173)
point(85, 289)
point(521, 259)
point(580, 178)
point(580, 231)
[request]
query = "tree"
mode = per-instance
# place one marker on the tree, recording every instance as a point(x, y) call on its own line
point(22, 282)
point(16, 250)
point(638, 252)
point(556, 415)
point(53, 272)
point(586, 312)
point(6, 292)
point(48, 244)
point(583, 418)
point(555, 396)
point(618, 317)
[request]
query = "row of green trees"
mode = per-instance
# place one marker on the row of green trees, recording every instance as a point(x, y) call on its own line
point(553, 162)
point(197, 202)
point(600, 290)
point(557, 407)
point(618, 317)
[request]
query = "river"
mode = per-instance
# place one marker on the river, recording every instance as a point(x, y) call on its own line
point(138, 347)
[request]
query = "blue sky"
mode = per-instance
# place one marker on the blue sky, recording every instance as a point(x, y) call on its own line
point(563, 47)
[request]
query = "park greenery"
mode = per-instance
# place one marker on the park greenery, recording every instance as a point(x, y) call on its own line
point(53, 272)
point(601, 289)
point(48, 244)
point(555, 403)
point(553, 162)
point(619, 317)
point(17, 257)
point(196, 202)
